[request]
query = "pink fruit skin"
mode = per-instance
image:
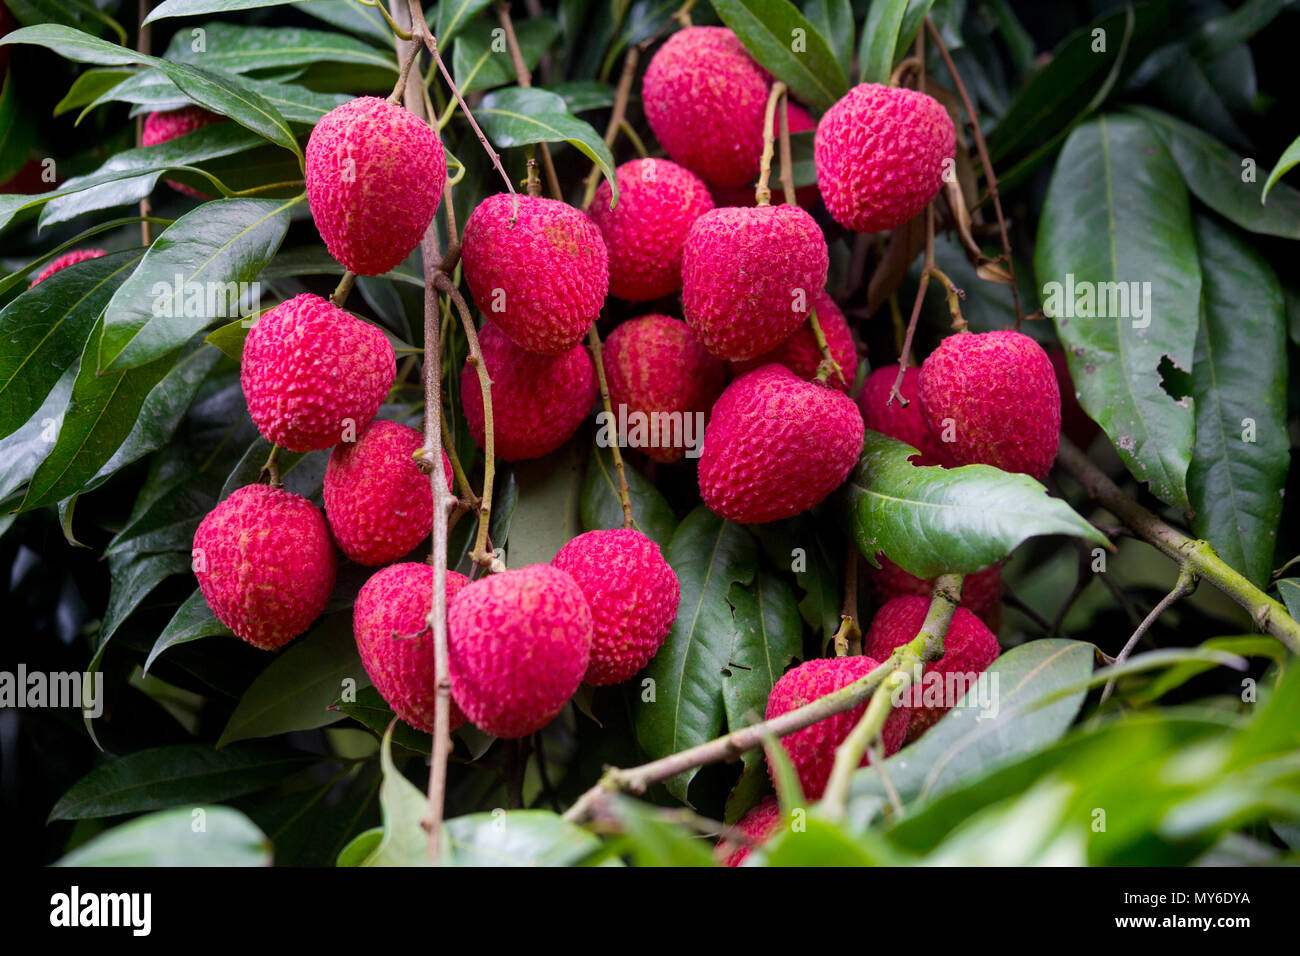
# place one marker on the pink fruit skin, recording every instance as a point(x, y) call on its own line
point(881, 153)
point(520, 644)
point(704, 97)
point(968, 648)
point(541, 278)
point(658, 203)
point(538, 401)
point(312, 373)
point(750, 276)
point(801, 354)
point(633, 596)
point(265, 564)
point(655, 364)
point(378, 502)
point(812, 750)
point(981, 591)
point(391, 610)
point(896, 420)
point(161, 127)
point(375, 176)
point(758, 826)
point(65, 260)
point(999, 390)
point(777, 445)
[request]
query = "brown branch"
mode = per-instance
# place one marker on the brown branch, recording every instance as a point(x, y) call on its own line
point(1185, 586)
point(787, 160)
point(624, 496)
point(895, 391)
point(524, 77)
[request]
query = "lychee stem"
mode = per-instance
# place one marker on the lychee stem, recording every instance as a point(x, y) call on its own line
point(343, 289)
point(624, 495)
point(787, 159)
point(271, 470)
point(763, 195)
point(828, 365)
point(616, 119)
point(895, 392)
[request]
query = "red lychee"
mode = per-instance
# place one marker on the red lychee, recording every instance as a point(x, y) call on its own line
point(881, 154)
point(705, 98)
point(658, 202)
point(65, 260)
point(981, 591)
point(801, 354)
point(896, 420)
point(632, 593)
point(520, 644)
point(265, 564)
point(378, 502)
point(389, 621)
point(750, 277)
point(375, 176)
point(812, 750)
point(538, 401)
point(313, 374)
point(968, 649)
point(996, 394)
point(777, 445)
point(753, 829)
point(160, 127)
point(538, 268)
point(655, 365)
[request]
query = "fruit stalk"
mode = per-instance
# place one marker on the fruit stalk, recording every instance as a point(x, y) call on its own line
point(624, 496)
point(762, 194)
point(895, 393)
point(787, 160)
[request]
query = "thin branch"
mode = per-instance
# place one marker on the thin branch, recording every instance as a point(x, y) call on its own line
point(624, 496)
point(762, 194)
point(787, 160)
point(524, 78)
point(895, 391)
point(1185, 586)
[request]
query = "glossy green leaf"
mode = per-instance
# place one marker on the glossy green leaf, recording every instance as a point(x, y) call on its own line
point(371, 711)
point(89, 86)
point(238, 48)
point(453, 15)
point(769, 635)
point(17, 132)
point(199, 836)
point(601, 509)
point(547, 512)
point(880, 39)
point(194, 8)
point(833, 20)
point(402, 840)
point(782, 40)
point(22, 451)
point(654, 841)
point(516, 838)
point(820, 843)
point(193, 620)
point(481, 61)
point(1285, 163)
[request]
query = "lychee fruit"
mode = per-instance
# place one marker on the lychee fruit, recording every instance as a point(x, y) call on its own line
point(389, 621)
point(805, 196)
point(265, 564)
point(968, 649)
point(1075, 423)
point(981, 591)
point(313, 374)
point(755, 828)
point(538, 268)
point(658, 202)
point(166, 125)
point(378, 502)
point(812, 750)
point(375, 176)
point(801, 354)
point(656, 366)
point(538, 401)
point(65, 260)
point(750, 276)
point(705, 99)
point(896, 420)
point(632, 593)
point(777, 445)
point(520, 645)
point(881, 153)
point(998, 392)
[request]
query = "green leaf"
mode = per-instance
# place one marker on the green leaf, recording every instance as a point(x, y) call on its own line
point(600, 508)
point(152, 89)
point(1116, 217)
point(820, 843)
point(132, 577)
point(17, 132)
point(516, 838)
point(453, 15)
point(185, 774)
point(192, 620)
point(833, 20)
point(770, 30)
point(298, 688)
point(583, 95)
point(194, 8)
point(481, 60)
point(913, 23)
point(351, 16)
point(239, 48)
point(546, 514)
point(817, 559)
point(1242, 453)
point(200, 836)
point(1289, 590)
point(654, 841)
point(1246, 645)
point(403, 841)
point(89, 86)
point(709, 555)
point(1285, 163)
point(198, 270)
point(769, 635)
point(880, 39)
point(931, 520)
point(371, 711)
point(22, 452)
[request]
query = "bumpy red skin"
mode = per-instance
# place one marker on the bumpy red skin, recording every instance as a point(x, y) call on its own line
point(391, 609)
point(1075, 423)
point(633, 596)
point(65, 260)
point(375, 175)
point(880, 154)
point(538, 401)
point(741, 270)
point(805, 196)
point(160, 127)
point(777, 445)
point(311, 373)
point(812, 750)
point(265, 564)
point(801, 354)
point(968, 648)
point(758, 826)
point(520, 643)
point(704, 97)
point(656, 364)
point(1000, 391)
point(378, 502)
point(898, 421)
point(543, 278)
point(981, 591)
point(658, 202)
